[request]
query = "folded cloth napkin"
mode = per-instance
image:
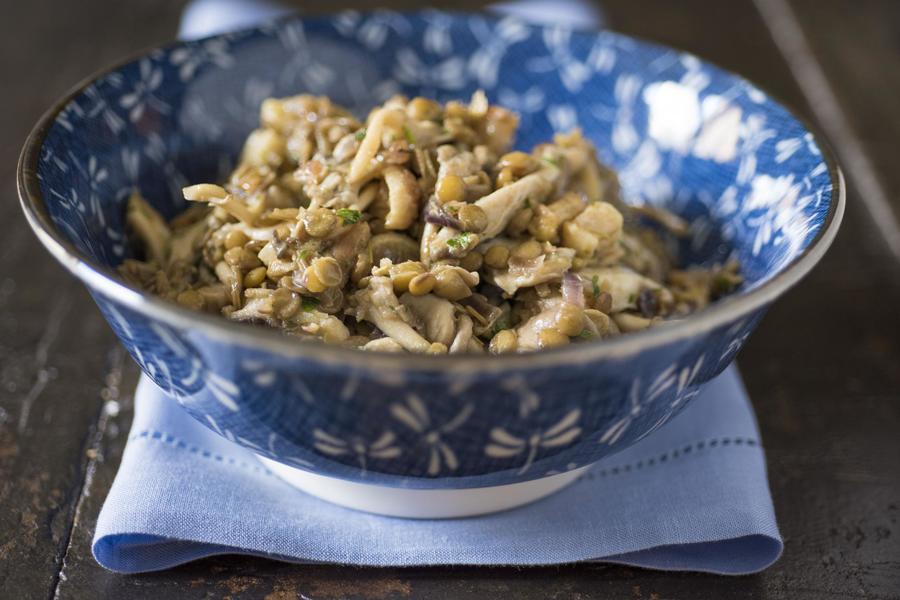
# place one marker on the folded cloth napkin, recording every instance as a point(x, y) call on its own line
point(207, 17)
point(692, 496)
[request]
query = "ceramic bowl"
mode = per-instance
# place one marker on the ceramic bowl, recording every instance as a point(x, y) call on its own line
point(361, 428)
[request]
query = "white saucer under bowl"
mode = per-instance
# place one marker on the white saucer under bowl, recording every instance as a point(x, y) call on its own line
point(419, 503)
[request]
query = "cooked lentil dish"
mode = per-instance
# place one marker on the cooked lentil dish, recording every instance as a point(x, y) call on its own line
point(419, 231)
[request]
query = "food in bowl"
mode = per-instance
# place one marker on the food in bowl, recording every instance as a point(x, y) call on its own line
point(419, 231)
point(750, 178)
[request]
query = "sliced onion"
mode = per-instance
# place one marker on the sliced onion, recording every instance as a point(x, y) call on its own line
point(442, 219)
point(487, 312)
point(436, 215)
point(572, 289)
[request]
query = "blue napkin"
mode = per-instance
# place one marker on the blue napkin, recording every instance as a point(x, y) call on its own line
point(206, 17)
point(692, 496)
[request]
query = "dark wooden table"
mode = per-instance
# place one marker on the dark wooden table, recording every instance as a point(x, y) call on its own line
point(823, 370)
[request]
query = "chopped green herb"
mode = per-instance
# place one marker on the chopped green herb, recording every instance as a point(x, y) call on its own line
point(550, 161)
point(452, 209)
point(309, 303)
point(595, 285)
point(586, 333)
point(306, 250)
point(408, 134)
point(348, 215)
point(527, 202)
point(500, 324)
point(632, 298)
point(461, 241)
point(360, 135)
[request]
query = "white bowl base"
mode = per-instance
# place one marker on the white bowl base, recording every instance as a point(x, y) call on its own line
point(419, 503)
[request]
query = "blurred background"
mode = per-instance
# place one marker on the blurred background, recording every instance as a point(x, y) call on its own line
point(823, 370)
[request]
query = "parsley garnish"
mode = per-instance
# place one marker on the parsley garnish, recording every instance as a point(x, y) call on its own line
point(595, 286)
point(461, 241)
point(586, 333)
point(408, 134)
point(360, 135)
point(527, 202)
point(500, 324)
point(306, 251)
point(550, 161)
point(309, 303)
point(348, 215)
point(632, 298)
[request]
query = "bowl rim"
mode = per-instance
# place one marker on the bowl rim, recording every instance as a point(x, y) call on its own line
point(104, 281)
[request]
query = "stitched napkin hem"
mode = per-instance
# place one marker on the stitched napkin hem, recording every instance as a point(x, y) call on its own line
point(692, 496)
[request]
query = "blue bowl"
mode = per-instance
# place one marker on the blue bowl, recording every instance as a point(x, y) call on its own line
point(748, 175)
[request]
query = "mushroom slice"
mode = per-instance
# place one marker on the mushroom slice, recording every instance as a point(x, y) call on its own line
point(500, 126)
point(403, 198)
point(484, 314)
point(429, 247)
point(378, 305)
point(260, 234)
point(549, 266)
point(217, 196)
point(384, 344)
point(322, 325)
point(362, 166)
point(149, 226)
point(463, 335)
point(501, 205)
point(348, 248)
point(623, 284)
point(284, 309)
point(437, 314)
point(596, 231)
point(255, 310)
point(672, 222)
point(599, 183)
point(528, 334)
point(628, 322)
point(646, 258)
point(186, 243)
point(138, 273)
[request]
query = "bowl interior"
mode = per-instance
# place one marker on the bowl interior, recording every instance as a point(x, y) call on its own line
point(681, 133)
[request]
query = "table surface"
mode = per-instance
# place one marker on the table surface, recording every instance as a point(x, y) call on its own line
point(823, 369)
